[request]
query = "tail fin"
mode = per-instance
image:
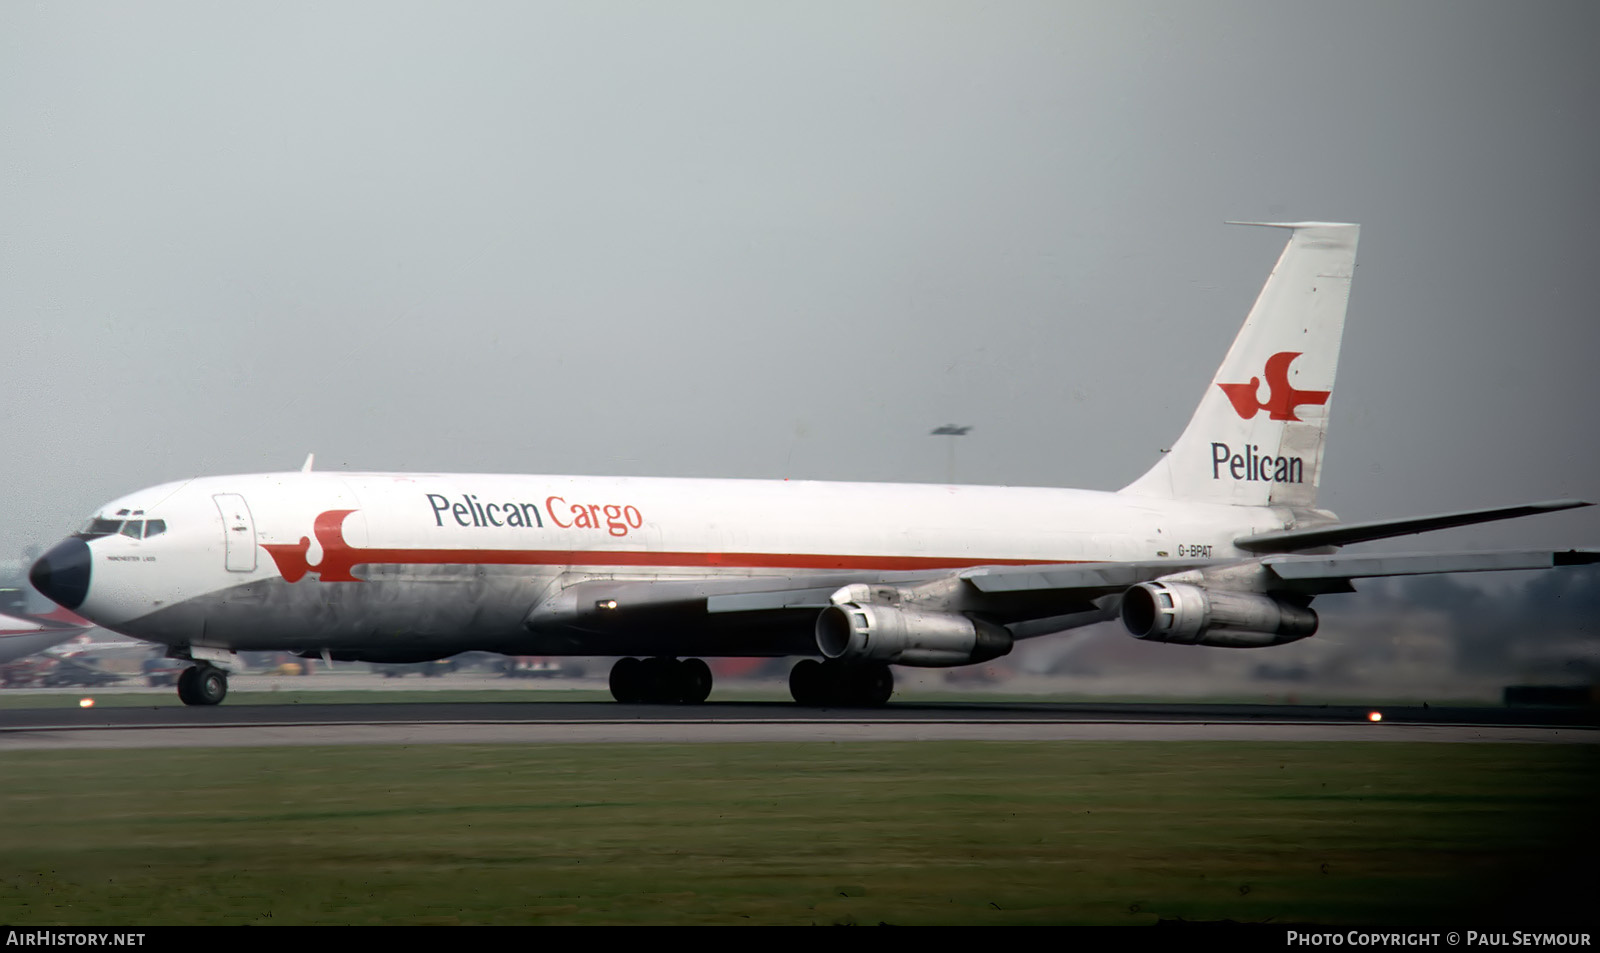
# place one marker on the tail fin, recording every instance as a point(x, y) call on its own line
point(1257, 437)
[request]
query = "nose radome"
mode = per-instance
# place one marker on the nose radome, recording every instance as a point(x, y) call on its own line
point(62, 574)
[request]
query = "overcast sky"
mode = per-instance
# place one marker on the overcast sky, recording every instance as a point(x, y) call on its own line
point(785, 240)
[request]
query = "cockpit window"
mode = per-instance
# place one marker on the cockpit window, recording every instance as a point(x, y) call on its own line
point(98, 527)
point(133, 529)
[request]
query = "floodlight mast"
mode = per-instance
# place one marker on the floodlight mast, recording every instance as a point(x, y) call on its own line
point(952, 431)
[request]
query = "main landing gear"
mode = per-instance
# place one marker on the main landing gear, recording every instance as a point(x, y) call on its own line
point(666, 681)
point(833, 682)
point(660, 681)
point(202, 684)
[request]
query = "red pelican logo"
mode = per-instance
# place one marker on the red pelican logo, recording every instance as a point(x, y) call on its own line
point(1282, 398)
point(337, 555)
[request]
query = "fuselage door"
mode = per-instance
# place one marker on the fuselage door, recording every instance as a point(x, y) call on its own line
point(238, 532)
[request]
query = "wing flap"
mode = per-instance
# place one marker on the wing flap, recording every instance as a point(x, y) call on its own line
point(1088, 578)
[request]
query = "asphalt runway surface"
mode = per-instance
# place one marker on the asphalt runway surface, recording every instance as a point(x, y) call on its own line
point(551, 722)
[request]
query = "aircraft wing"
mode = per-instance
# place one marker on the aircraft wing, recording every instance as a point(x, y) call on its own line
point(1029, 600)
point(1293, 573)
point(776, 614)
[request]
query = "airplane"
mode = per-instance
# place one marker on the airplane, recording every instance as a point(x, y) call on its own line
point(1220, 543)
point(22, 635)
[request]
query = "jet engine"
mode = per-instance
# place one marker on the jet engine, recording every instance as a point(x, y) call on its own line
point(868, 632)
point(1193, 615)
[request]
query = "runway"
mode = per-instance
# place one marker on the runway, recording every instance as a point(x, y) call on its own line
point(556, 722)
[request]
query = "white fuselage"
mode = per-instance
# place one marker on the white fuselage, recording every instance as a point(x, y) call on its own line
point(357, 561)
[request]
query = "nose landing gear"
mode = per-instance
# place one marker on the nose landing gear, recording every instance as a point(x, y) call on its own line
point(202, 684)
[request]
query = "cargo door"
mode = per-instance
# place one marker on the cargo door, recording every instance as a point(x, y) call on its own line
point(238, 532)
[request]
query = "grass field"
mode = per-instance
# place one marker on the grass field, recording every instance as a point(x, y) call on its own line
point(931, 833)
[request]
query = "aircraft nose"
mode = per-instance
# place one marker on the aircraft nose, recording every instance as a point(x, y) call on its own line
point(62, 574)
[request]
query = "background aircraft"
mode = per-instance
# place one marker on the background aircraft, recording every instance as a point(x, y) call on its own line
point(23, 633)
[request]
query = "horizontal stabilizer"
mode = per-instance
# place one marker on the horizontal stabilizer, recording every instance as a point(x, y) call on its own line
point(1313, 569)
point(1343, 534)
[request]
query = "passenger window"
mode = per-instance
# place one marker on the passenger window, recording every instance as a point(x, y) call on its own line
point(154, 528)
point(133, 528)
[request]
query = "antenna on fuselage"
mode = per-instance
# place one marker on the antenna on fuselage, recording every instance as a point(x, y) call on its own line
point(306, 468)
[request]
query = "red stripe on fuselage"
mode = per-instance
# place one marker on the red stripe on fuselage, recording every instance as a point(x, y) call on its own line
point(339, 571)
point(623, 557)
point(339, 557)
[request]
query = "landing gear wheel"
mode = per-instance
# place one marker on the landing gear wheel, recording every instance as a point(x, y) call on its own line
point(627, 681)
point(807, 684)
point(660, 680)
point(202, 685)
point(694, 681)
point(868, 685)
point(211, 686)
point(186, 685)
point(836, 680)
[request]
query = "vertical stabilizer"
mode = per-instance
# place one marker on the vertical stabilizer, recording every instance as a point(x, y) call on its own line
point(1257, 437)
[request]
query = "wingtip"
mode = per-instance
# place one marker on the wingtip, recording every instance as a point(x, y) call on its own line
point(1298, 224)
